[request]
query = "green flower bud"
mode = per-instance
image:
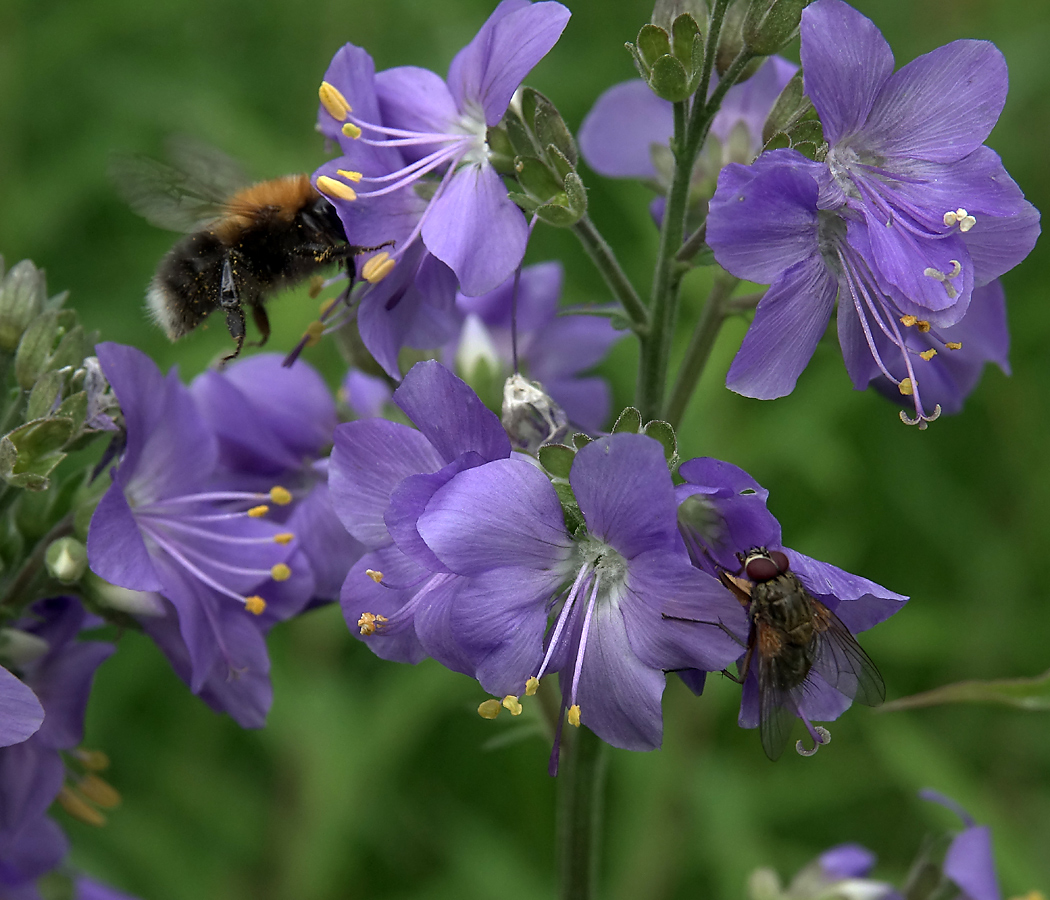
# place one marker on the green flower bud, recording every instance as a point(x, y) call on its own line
point(770, 24)
point(66, 560)
point(22, 295)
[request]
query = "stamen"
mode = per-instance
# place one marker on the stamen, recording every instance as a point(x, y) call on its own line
point(316, 286)
point(284, 538)
point(255, 605)
point(531, 686)
point(375, 575)
point(489, 709)
point(98, 791)
point(281, 496)
point(908, 321)
point(928, 354)
point(573, 715)
point(337, 189)
point(584, 633)
point(906, 388)
point(377, 267)
point(953, 345)
point(349, 175)
point(257, 512)
point(313, 333)
point(333, 101)
point(351, 131)
point(923, 326)
point(74, 804)
point(92, 760)
point(563, 617)
point(511, 703)
point(961, 218)
point(280, 572)
point(370, 623)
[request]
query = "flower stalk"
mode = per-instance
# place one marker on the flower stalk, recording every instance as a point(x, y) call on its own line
point(608, 265)
point(581, 786)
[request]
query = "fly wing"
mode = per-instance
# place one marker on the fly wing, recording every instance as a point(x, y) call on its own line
point(841, 661)
point(776, 706)
point(184, 196)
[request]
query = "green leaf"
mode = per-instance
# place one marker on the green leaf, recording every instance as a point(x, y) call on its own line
point(44, 395)
point(1031, 694)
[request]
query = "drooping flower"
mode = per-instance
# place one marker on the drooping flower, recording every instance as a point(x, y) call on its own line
point(397, 596)
point(907, 214)
point(163, 526)
point(34, 772)
point(968, 862)
point(501, 527)
point(274, 425)
point(405, 124)
point(723, 517)
point(628, 131)
point(551, 349)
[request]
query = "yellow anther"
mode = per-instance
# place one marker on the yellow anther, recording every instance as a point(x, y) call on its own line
point(377, 267)
point(74, 804)
point(349, 175)
point(327, 306)
point(257, 512)
point(922, 325)
point(92, 760)
point(255, 604)
point(313, 333)
point(333, 101)
point(351, 131)
point(316, 286)
point(510, 702)
point(489, 709)
point(908, 321)
point(953, 345)
point(905, 387)
point(337, 189)
point(280, 572)
point(370, 623)
point(281, 496)
point(531, 686)
point(284, 538)
point(1031, 895)
point(928, 354)
point(375, 575)
point(574, 715)
point(98, 791)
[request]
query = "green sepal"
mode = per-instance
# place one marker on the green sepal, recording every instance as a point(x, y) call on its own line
point(684, 32)
point(536, 178)
point(581, 440)
point(663, 432)
point(74, 408)
point(630, 420)
point(501, 151)
point(557, 214)
point(636, 58)
point(569, 507)
point(669, 79)
point(557, 459)
point(548, 125)
point(786, 109)
point(770, 24)
point(652, 43)
point(524, 201)
point(518, 135)
point(44, 396)
point(560, 163)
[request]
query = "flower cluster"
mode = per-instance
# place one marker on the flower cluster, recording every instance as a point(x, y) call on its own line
point(902, 221)
point(506, 572)
point(218, 516)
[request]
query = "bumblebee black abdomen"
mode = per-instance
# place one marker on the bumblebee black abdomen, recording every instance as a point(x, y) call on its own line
point(187, 283)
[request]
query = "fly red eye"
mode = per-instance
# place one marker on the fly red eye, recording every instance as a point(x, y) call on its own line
point(781, 560)
point(761, 568)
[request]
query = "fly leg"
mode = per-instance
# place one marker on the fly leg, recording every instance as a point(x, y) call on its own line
point(230, 302)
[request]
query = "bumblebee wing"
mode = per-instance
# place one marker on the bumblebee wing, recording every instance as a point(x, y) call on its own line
point(841, 661)
point(184, 196)
point(777, 709)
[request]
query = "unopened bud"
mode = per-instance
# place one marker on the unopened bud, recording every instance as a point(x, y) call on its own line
point(22, 295)
point(770, 24)
point(66, 560)
point(530, 415)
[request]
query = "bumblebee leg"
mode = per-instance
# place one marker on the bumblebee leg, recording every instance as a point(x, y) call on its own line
point(230, 301)
point(262, 322)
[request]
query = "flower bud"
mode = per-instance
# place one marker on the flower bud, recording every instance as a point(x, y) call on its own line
point(530, 415)
point(19, 649)
point(770, 24)
point(22, 295)
point(66, 560)
point(665, 12)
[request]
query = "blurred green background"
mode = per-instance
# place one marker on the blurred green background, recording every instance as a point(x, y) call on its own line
point(375, 780)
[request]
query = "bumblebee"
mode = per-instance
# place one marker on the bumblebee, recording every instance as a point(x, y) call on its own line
point(246, 242)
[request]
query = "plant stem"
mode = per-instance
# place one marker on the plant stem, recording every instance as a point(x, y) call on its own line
point(580, 789)
point(16, 593)
point(700, 346)
point(603, 257)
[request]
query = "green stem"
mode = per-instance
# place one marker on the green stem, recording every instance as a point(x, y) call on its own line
point(17, 592)
point(580, 788)
point(700, 346)
point(605, 260)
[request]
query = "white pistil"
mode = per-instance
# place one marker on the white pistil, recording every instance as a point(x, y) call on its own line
point(945, 278)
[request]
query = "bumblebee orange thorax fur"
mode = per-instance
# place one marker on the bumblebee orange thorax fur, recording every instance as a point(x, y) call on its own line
point(280, 198)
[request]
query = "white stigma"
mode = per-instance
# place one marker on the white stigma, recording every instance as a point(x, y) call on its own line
point(945, 278)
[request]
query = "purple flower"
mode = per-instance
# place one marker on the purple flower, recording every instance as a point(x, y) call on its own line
point(33, 772)
point(20, 711)
point(907, 214)
point(551, 349)
point(628, 131)
point(89, 889)
point(406, 124)
point(502, 528)
point(382, 473)
point(723, 516)
point(274, 426)
point(164, 527)
point(969, 863)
